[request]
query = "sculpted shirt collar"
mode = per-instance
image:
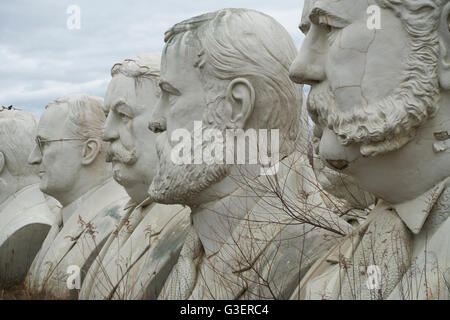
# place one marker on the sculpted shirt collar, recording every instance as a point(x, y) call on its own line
point(131, 204)
point(145, 203)
point(66, 212)
point(415, 212)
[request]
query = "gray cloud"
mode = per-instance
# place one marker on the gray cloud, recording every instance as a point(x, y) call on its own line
point(41, 60)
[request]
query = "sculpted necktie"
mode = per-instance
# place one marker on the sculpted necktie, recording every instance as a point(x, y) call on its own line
point(380, 260)
point(183, 277)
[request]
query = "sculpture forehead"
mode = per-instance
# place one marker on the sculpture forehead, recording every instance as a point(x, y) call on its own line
point(121, 88)
point(178, 59)
point(52, 124)
point(138, 94)
point(349, 10)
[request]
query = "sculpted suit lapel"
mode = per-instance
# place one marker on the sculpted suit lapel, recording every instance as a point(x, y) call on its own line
point(431, 262)
point(324, 275)
point(25, 220)
point(262, 246)
point(83, 232)
point(163, 231)
point(268, 264)
point(426, 241)
point(140, 255)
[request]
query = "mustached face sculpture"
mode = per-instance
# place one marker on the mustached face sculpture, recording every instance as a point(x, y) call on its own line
point(130, 100)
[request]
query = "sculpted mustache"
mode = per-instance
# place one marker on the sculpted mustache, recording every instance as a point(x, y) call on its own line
point(117, 152)
point(320, 105)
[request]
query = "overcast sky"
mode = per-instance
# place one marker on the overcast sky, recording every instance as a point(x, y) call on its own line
point(41, 59)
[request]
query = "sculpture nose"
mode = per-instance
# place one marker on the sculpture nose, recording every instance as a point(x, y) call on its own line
point(308, 67)
point(304, 71)
point(109, 132)
point(35, 156)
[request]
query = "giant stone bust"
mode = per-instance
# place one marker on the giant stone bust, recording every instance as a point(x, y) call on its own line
point(122, 269)
point(71, 157)
point(374, 90)
point(25, 218)
point(379, 98)
point(228, 70)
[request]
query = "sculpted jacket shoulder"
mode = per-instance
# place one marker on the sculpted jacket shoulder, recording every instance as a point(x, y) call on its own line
point(25, 220)
point(268, 252)
point(425, 276)
point(79, 240)
point(139, 254)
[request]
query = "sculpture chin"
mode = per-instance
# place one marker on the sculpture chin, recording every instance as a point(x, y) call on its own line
point(182, 184)
point(117, 175)
point(44, 187)
point(120, 158)
point(335, 155)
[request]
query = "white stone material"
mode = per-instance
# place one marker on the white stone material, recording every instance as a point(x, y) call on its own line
point(72, 169)
point(25, 217)
point(93, 217)
point(24, 224)
point(229, 69)
point(138, 256)
point(380, 100)
point(136, 260)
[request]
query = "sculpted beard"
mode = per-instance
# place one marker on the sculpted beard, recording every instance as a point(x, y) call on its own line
point(380, 127)
point(119, 156)
point(178, 184)
point(391, 123)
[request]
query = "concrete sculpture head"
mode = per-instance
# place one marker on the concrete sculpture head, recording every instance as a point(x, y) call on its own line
point(374, 89)
point(130, 100)
point(228, 69)
point(18, 130)
point(69, 148)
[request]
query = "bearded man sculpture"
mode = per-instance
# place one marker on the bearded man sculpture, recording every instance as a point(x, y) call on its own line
point(70, 154)
point(138, 256)
point(380, 99)
point(228, 70)
point(25, 218)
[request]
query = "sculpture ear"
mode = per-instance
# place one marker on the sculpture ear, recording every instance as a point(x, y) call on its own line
point(2, 162)
point(241, 100)
point(91, 149)
point(444, 42)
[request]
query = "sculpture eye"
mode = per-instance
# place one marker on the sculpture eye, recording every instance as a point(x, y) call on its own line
point(331, 32)
point(169, 97)
point(172, 99)
point(124, 116)
point(327, 27)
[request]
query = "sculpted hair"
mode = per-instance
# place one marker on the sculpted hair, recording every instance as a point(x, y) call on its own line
point(18, 132)
point(420, 20)
point(241, 43)
point(85, 115)
point(141, 67)
point(420, 85)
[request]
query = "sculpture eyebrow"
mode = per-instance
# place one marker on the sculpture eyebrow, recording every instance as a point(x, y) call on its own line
point(119, 103)
point(319, 15)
